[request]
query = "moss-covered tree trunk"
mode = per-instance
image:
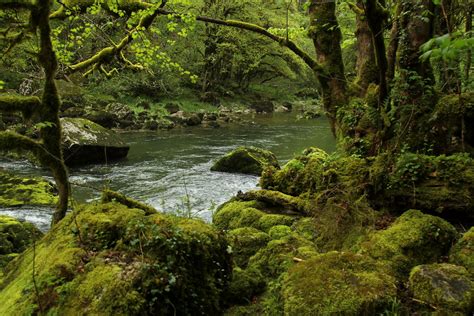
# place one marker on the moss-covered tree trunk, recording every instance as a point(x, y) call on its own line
point(366, 67)
point(50, 105)
point(326, 35)
point(415, 95)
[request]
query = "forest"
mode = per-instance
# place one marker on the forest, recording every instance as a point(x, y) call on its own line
point(236, 157)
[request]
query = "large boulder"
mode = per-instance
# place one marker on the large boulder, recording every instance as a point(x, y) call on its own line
point(15, 237)
point(338, 283)
point(86, 142)
point(462, 252)
point(108, 259)
point(413, 239)
point(18, 191)
point(249, 160)
point(446, 287)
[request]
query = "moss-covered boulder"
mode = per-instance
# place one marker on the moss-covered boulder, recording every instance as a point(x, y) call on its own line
point(444, 184)
point(249, 160)
point(338, 283)
point(86, 142)
point(108, 259)
point(15, 237)
point(266, 222)
point(462, 252)
point(237, 214)
point(245, 285)
point(245, 243)
point(446, 287)
point(18, 191)
point(414, 238)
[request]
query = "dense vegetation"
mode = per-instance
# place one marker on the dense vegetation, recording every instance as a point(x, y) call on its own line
point(382, 226)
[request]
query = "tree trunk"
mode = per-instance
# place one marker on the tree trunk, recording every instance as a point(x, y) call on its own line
point(326, 35)
point(50, 104)
point(367, 72)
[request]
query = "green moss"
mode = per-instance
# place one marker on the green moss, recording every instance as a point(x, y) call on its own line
point(462, 252)
point(337, 283)
point(236, 214)
point(306, 227)
point(108, 259)
point(15, 237)
point(268, 221)
point(245, 243)
point(414, 238)
point(279, 231)
point(249, 160)
point(245, 285)
point(435, 183)
point(446, 287)
point(18, 191)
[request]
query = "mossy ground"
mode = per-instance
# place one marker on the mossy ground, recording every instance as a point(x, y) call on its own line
point(18, 191)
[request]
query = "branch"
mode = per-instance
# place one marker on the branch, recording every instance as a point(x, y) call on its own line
point(312, 63)
point(114, 50)
point(14, 103)
point(282, 203)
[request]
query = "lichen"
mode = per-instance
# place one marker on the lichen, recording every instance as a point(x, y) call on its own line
point(338, 283)
point(446, 287)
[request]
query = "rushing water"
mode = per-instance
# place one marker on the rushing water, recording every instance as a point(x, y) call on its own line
point(170, 169)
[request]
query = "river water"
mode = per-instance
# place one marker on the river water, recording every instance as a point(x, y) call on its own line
point(170, 169)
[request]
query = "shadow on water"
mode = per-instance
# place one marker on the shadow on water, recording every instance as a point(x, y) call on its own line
point(170, 170)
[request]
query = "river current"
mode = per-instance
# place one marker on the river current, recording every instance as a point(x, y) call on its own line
point(170, 170)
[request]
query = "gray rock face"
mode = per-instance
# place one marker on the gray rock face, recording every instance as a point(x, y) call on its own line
point(85, 142)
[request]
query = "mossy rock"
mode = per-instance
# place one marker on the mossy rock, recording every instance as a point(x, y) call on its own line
point(15, 237)
point(446, 287)
point(306, 227)
point(237, 214)
point(443, 184)
point(279, 232)
point(414, 238)
point(108, 259)
point(245, 285)
point(462, 252)
point(248, 160)
point(266, 222)
point(18, 191)
point(338, 283)
point(86, 142)
point(245, 242)
point(279, 254)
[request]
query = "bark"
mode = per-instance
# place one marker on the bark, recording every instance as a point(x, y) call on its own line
point(467, 67)
point(50, 105)
point(326, 35)
point(393, 45)
point(366, 65)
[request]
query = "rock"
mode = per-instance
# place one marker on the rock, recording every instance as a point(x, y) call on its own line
point(18, 191)
point(15, 237)
point(121, 111)
point(108, 259)
point(85, 142)
point(73, 112)
point(244, 286)
point(249, 160)
point(282, 109)
point(177, 117)
point(413, 239)
point(103, 118)
point(151, 125)
point(446, 287)
point(211, 124)
point(172, 108)
point(462, 252)
point(193, 119)
point(245, 243)
point(210, 117)
point(263, 106)
point(338, 283)
point(236, 214)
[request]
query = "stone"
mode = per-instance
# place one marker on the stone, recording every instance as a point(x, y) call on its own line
point(85, 142)
point(248, 160)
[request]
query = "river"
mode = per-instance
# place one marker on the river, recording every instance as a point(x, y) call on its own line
point(170, 169)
